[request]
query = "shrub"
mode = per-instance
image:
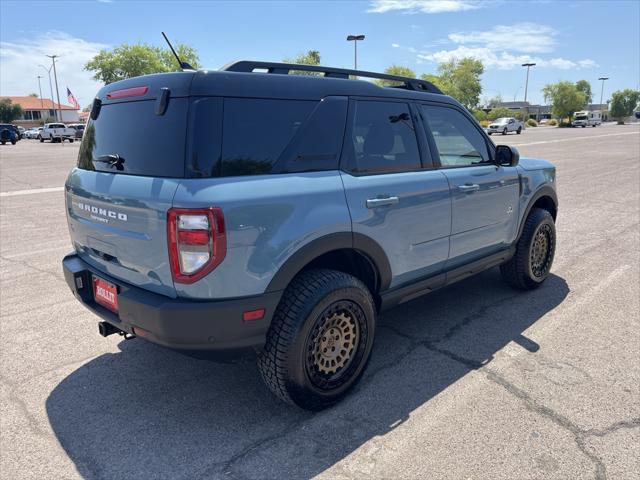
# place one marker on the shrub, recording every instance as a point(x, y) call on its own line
point(485, 123)
point(480, 115)
point(532, 123)
point(553, 122)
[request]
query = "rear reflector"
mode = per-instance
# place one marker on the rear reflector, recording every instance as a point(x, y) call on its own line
point(128, 92)
point(253, 315)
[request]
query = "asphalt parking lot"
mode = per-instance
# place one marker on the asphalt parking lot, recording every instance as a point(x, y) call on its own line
point(473, 381)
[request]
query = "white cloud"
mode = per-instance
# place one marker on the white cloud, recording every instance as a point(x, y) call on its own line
point(521, 37)
point(502, 60)
point(20, 60)
point(395, 45)
point(424, 6)
point(504, 47)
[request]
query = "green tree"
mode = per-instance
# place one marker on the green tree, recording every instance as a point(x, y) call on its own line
point(9, 111)
point(398, 70)
point(565, 98)
point(500, 112)
point(585, 87)
point(312, 57)
point(127, 61)
point(494, 101)
point(623, 102)
point(460, 79)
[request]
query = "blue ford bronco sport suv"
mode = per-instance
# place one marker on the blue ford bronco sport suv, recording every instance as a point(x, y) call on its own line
point(256, 208)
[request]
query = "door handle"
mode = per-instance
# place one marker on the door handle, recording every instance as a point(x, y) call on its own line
point(469, 187)
point(381, 201)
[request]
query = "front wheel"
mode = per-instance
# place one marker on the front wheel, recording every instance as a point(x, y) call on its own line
point(41, 139)
point(504, 132)
point(531, 263)
point(320, 339)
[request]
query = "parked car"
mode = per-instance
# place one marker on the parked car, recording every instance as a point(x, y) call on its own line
point(505, 125)
point(79, 128)
point(8, 133)
point(283, 213)
point(57, 132)
point(31, 133)
point(21, 131)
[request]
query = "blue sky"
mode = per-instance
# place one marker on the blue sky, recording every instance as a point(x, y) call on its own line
point(570, 40)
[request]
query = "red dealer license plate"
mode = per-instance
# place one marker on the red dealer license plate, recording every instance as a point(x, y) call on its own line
point(105, 293)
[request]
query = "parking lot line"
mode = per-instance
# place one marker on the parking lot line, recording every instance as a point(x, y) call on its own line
point(577, 138)
point(31, 191)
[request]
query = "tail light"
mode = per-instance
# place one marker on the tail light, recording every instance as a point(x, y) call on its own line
point(197, 242)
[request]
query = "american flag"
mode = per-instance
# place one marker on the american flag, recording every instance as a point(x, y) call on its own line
point(72, 99)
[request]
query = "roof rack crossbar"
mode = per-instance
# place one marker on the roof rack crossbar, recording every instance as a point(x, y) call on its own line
point(249, 66)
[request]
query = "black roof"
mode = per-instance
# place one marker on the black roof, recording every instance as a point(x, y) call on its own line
point(276, 81)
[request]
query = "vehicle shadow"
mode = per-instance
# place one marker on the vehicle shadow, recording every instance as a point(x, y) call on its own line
point(148, 412)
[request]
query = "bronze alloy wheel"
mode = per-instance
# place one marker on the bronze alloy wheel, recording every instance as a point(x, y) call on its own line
point(335, 345)
point(541, 251)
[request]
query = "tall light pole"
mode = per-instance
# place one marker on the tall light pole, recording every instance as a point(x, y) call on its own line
point(526, 86)
point(55, 78)
point(40, 88)
point(601, 92)
point(50, 84)
point(355, 39)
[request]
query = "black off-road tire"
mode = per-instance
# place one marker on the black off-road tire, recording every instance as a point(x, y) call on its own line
point(287, 363)
point(519, 271)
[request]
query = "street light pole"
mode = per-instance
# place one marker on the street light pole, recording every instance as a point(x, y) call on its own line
point(55, 77)
point(50, 84)
point(40, 88)
point(601, 92)
point(526, 86)
point(355, 39)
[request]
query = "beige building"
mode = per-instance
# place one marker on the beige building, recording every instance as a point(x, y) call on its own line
point(37, 110)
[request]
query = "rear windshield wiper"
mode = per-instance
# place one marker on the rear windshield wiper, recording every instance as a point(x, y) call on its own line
point(113, 160)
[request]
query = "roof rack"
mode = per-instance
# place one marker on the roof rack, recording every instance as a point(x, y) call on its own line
point(249, 66)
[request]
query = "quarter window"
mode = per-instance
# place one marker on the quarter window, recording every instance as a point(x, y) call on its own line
point(458, 141)
point(383, 139)
point(256, 132)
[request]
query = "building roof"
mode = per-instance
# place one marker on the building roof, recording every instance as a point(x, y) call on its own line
point(34, 103)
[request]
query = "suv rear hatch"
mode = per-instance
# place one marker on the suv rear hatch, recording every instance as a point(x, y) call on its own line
point(129, 166)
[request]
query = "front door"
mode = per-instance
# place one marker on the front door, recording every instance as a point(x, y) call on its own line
point(484, 196)
point(392, 199)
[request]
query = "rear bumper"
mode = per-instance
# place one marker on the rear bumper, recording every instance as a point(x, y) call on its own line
point(175, 323)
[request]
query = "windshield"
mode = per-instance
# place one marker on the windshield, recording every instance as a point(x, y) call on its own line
point(502, 120)
point(581, 117)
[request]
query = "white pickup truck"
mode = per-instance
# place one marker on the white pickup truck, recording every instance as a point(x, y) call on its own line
point(57, 132)
point(505, 125)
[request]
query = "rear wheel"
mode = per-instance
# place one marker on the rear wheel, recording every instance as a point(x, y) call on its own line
point(532, 261)
point(519, 130)
point(320, 339)
point(41, 139)
point(504, 131)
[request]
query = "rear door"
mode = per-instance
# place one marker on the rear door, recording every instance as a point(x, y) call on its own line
point(484, 196)
point(393, 198)
point(130, 164)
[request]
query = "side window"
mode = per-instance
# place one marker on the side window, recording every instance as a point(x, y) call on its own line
point(383, 139)
point(255, 132)
point(458, 141)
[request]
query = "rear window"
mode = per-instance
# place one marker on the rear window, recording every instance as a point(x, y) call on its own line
point(129, 138)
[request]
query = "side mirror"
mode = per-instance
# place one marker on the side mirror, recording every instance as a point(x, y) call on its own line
point(507, 156)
